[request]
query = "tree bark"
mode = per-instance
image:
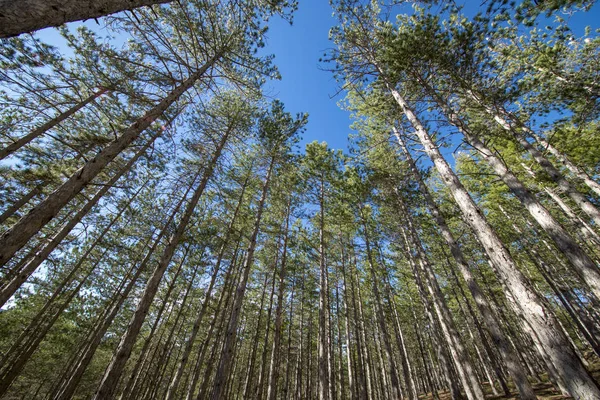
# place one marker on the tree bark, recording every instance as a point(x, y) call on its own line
point(506, 351)
point(21, 275)
point(581, 262)
point(274, 364)
point(10, 211)
point(23, 16)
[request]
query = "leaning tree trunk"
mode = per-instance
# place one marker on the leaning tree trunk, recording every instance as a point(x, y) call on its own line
point(571, 371)
point(27, 343)
point(116, 366)
point(68, 387)
point(207, 298)
point(11, 210)
point(16, 237)
point(397, 394)
point(502, 117)
point(11, 148)
point(323, 314)
point(575, 170)
point(506, 351)
point(555, 175)
point(425, 276)
point(23, 16)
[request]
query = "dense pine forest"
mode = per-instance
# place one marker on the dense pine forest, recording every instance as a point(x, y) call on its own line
point(166, 233)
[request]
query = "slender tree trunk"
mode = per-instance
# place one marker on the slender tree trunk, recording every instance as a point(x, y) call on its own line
point(68, 389)
point(16, 237)
point(219, 321)
point(380, 314)
point(263, 362)
point(10, 211)
point(11, 148)
point(362, 344)
point(36, 331)
point(581, 262)
point(571, 371)
point(250, 382)
point(555, 175)
point(508, 355)
point(463, 365)
point(406, 368)
point(586, 231)
point(135, 373)
point(275, 362)
point(575, 170)
point(12, 370)
point(324, 356)
point(427, 370)
point(351, 374)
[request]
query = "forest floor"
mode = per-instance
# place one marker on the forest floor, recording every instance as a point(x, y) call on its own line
point(544, 390)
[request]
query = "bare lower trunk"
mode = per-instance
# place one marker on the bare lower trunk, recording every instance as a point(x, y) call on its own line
point(274, 364)
point(380, 314)
point(94, 340)
point(10, 211)
point(22, 16)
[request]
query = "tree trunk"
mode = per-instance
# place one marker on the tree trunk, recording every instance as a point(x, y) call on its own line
point(508, 355)
point(324, 357)
point(380, 314)
point(134, 375)
point(69, 386)
point(581, 262)
point(546, 165)
point(11, 148)
point(23, 16)
point(575, 170)
point(22, 274)
point(274, 364)
point(10, 211)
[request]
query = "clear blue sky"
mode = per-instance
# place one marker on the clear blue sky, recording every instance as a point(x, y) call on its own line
point(304, 87)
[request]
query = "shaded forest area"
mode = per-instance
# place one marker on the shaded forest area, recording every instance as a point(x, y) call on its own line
point(164, 235)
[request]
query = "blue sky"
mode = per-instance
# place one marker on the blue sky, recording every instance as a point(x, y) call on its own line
point(304, 87)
